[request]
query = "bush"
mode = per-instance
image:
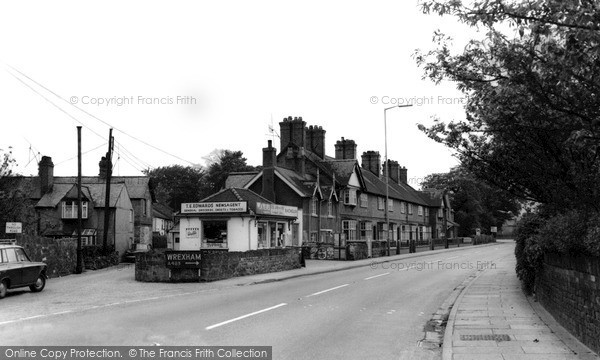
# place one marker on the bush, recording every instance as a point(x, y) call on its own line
point(95, 257)
point(528, 251)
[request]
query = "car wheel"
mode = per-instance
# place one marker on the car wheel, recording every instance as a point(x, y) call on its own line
point(39, 284)
point(2, 289)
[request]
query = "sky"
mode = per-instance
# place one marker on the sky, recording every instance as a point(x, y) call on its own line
point(177, 80)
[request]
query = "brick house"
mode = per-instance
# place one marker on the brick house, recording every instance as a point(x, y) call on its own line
point(338, 196)
point(54, 199)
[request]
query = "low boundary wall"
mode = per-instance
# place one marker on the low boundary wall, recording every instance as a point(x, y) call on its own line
point(569, 288)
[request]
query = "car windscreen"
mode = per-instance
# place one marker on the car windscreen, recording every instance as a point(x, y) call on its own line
point(21, 256)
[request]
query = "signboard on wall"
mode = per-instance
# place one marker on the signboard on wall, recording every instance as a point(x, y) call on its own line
point(494, 229)
point(183, 259)
point(277, 210)
point(14, 227)
point(214, 207)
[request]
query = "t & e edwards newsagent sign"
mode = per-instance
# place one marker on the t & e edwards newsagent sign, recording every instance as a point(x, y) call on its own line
point(214, 207)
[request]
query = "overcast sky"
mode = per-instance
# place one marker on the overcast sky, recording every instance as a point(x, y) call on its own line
point(234, 66)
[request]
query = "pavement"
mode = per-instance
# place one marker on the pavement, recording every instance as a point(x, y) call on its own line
point(492, 319)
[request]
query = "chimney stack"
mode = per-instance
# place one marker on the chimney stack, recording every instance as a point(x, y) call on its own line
point(403, 175)
point(345, 149)
point(46, 173)
point(315, 140)
point(268, 178)
point(371, 160)
point(292, 131)
point(103, 165)
point(394, 171)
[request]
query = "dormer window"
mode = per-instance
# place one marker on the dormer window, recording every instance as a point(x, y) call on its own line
point(69, 209)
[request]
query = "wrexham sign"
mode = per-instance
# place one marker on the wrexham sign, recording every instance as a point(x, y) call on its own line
point(214, 207)
point(183, 259)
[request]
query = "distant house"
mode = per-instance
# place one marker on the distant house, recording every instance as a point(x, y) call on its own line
point(162, 219)
point(54, 199)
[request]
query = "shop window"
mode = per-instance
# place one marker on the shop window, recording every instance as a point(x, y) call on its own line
point(263, 235)
point(214, 231)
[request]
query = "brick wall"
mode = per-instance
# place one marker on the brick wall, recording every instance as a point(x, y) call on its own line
point(224, 265)
point(569, 288)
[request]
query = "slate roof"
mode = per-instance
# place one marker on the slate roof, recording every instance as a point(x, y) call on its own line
point(239, 179)
point(136, 185)
point(162, 211)
point(96, 193)
point(433, 197)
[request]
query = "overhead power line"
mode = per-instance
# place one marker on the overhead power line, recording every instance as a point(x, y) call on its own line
point(94, 117)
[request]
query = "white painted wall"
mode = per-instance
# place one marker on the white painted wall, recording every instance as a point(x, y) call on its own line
point(188, 240)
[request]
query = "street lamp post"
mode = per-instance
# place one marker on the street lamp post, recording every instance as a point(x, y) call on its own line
point(387, 177)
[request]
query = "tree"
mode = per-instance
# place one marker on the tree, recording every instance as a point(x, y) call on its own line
point(532, 123)
point(176, 184)
point(220, 164)
point(14, 204)
point(475, 203)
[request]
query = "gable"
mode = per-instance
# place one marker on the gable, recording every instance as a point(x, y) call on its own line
point(353, 180)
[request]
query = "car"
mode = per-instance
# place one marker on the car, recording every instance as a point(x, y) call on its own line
point(17, 270)
point(136, 249)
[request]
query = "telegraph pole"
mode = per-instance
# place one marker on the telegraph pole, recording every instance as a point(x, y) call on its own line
point(79, 266)
point(107, 198)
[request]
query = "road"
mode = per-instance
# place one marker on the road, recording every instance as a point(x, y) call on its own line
point(371, 312)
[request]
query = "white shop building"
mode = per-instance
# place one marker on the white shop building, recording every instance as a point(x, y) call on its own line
point(236, 220)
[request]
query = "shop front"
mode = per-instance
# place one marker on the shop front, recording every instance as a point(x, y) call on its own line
point(236, 226)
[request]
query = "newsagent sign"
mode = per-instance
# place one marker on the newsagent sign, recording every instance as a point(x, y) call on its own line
point(274, 209)
point(214, 207)
point(183, 259)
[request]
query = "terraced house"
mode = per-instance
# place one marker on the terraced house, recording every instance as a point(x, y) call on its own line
point(342, 201)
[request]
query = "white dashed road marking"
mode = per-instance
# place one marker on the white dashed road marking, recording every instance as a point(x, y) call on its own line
point(245, 316)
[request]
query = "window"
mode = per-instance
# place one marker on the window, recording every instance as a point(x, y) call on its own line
point(214, 232)
point(131, 215)
point(402, 207)
point(410, 209)
point(426, 212)
point(350, 197)
point(329, 208)
point(144, 207)
point(313, 206)
point(391, 205)
point(380, 203)
point(420, 210)
point(349, 229)
point(263, 235)
point(69, 209)
point(20, 253)
point(365, 230)
point(440, 213)
point(364, 200)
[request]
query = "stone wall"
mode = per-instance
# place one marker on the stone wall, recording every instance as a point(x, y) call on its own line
point(569, 288)
point(216, 265)
point(151, 267)
point(60, 255)
point(224, 265)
